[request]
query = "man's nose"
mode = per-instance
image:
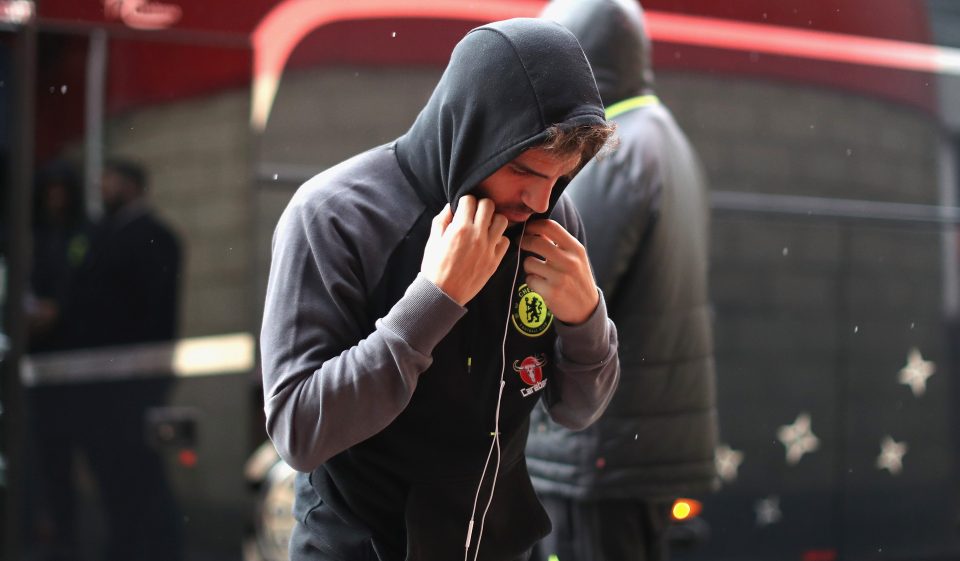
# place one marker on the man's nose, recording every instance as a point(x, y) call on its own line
point(538, 198)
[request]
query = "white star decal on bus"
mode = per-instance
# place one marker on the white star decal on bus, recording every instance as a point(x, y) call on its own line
point(798, 438)
point(891, 455)
point(728, 462)
point(916, 372)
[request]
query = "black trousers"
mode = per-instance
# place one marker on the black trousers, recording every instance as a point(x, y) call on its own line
point(311, 545)
point(609, 530)
point(105, 422)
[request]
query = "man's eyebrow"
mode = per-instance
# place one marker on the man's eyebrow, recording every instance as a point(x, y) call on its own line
point(528, 169)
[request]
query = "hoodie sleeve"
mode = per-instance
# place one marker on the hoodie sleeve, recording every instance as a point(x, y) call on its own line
point(588, 369)
point(328, 384)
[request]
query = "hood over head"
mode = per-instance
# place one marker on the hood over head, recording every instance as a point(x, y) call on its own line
point(505, 84)
point(614, 37)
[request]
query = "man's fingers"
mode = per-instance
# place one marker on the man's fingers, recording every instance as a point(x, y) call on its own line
point(466, 209)
point(442, 220)
point(534, 266)
point(551, 230)
point(539, 285)
point(503, 244)
point(541, 246)
point(485, 209)
point(498, 225)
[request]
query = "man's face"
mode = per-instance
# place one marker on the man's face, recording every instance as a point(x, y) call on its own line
point(115, 191)
point(111, 190)
point(522, 188)
point(56, 199)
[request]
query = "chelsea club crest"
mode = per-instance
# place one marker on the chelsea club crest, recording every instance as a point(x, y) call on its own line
point(530, 313)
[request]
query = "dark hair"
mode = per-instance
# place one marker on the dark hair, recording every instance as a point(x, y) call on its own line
point(131, 171)
point(64, 173)
point(588, 140)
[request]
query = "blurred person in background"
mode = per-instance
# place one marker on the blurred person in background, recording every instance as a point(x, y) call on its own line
point(420, 304)
point(61, 237)
point(124, 292)
point(609, 489)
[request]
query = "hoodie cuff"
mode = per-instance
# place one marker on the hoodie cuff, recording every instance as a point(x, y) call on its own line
point(424, 315)
point(588, 342)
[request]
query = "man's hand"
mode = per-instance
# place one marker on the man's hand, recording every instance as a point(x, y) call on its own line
point(562, 277)
point(464, 249)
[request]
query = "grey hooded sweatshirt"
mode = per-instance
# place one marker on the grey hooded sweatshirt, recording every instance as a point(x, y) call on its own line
point(645, 212)
point(381, 389)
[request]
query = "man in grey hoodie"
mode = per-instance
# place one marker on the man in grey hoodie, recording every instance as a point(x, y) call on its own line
point(609, 489)
point(424, 296)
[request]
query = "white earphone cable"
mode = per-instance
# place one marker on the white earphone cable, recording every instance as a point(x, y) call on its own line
point(495, 443)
